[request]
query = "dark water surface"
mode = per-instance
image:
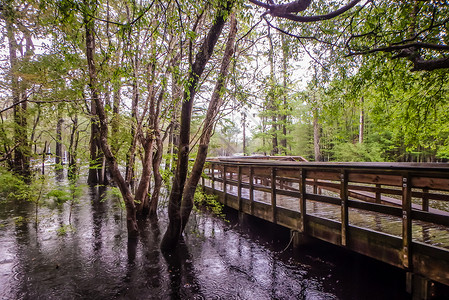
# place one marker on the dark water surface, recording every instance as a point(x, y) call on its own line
point(93, 259)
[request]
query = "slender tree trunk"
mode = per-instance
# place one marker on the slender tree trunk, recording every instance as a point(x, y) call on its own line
point(245, 150)
point(174, 229)
point(131, 156)
point(272, 99)
point(72, 169)
point(92, 178)
point(362, 121)
point(169, 159)
point(115, 122)
point(157, 159)
point(283, 114)
point(58, 149)
point(101, 114)
point(174, 126)
point(21, 152)
point(316, 135)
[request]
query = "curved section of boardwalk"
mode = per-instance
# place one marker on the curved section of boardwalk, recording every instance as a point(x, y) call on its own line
point(397, 213)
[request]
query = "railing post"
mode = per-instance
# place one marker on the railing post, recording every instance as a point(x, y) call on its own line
point(378, 194)
point(251, 188)
point(302, 199)
point(344, 207)
point(273, 193)
point(406, 221)
point(239, 187)
point(213, 177)
point(203, 182)
point(425, 199)
point(224, 186)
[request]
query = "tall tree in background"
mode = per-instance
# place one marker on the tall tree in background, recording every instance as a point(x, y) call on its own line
point(18, 28)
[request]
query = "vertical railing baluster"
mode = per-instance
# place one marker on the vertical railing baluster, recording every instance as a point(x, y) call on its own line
point(406, 220)
point(302, 200)
point(378, 194)
point(425, 199)
point(273, 193)
point(344, 207)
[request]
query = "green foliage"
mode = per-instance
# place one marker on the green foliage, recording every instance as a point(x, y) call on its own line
point(12, 186)
point(59, 196)
point(114, 193)
point(19, 220)
point(209, 202)
point(65, 229)
point(358, 152)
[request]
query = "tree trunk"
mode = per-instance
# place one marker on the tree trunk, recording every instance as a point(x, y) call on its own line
point(92, 178)
point(362, 121)
point(103, 132)
point(58, 149)
point(272, 99)
point(21, 152)
point(316, 135)
point(244, 149)
point(72, 169)
point(131, 155)
point(174, 229)
point(157, 159)
point(283, 114)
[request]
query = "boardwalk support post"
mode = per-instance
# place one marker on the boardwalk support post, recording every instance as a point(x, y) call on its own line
point(418, 286)
point(299, 239)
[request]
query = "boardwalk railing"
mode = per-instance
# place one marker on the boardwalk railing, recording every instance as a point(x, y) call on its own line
point(394, 212)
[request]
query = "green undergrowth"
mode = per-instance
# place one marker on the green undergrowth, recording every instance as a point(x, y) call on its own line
point(204, 201)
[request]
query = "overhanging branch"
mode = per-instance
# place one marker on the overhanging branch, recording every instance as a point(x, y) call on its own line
point(288, 10)
point(410, 51)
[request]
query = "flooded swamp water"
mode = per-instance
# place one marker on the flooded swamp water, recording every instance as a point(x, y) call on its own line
point(90, 257)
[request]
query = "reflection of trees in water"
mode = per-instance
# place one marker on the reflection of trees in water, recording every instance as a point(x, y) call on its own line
point(98, 214)
point(183, 281)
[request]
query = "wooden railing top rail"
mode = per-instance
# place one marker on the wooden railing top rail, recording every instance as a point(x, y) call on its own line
point(444, 167)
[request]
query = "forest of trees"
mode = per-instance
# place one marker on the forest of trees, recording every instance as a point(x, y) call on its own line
point(127, 93)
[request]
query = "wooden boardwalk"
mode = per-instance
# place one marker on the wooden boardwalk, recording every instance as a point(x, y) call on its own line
point(395, 212)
